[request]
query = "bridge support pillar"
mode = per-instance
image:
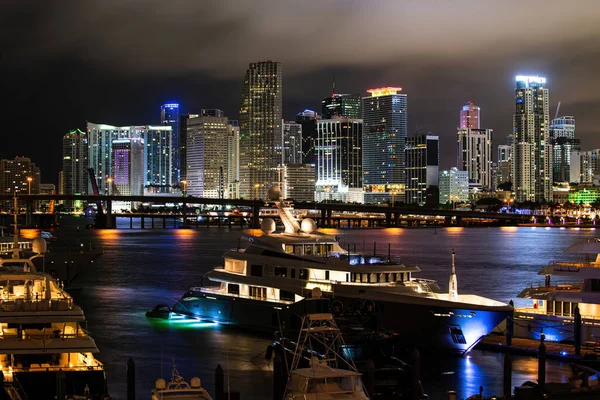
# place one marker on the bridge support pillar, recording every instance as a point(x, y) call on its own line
point(256, 215)
point(323, 218)
point(447, 220)
point(397, 219)
point(329, 212)
point(142, 222)
point(458, 221)
point(152, 219)
point(109, 215)
point(388, 220)
point(29, 213)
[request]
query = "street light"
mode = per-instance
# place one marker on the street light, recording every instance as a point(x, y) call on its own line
point(29, 179)
point(109, 181)
point(256, 186)
point(184, 183)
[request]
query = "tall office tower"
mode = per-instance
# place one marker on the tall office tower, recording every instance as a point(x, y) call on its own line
point(299, 182)
point(169, 115)
point(20, 175)
point(128, 170)
point(339, 160)
point(470, 116)
point(260, 128)
point(308, 120)
point(341, 105)
point(384, 140)
point(183, 118)
point(422, 167)
point(475, 155)
point(157, 153)
point(504, 164)
point(504, 152)
point(562, 136)
point(291, 142)
point(74, 166)
point(233, 159)
point(584, 165)
point(454, 186)
point(207, 150)
point(532, 151)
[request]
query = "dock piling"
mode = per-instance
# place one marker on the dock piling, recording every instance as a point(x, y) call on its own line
point(219, 383)
point(130, 379)
point(510, 326)
point(577, 331)
point(416, 374)
point(61, 387)
point(507, 381)
point(542, 365)
point(370, 378)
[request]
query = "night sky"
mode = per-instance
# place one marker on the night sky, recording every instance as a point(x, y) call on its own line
point(116, 61)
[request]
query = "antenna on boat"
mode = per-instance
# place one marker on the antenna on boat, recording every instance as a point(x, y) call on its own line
point(453, 284)
point(16, 231)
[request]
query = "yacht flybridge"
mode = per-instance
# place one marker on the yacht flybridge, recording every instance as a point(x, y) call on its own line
point(44, 351)
point(262, 286)
point(552, 310)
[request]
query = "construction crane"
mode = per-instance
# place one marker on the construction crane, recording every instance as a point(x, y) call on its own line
point(557, 110)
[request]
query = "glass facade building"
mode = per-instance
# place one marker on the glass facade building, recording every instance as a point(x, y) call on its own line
point(422, 167)
point(299, 182)
point(562, 135)
point(454, 186)
point(75, 163)
point(292, 142)
point(384, 141)
point(474, 155)
point(169, 115)
point(233, 159)
point(470, 116)
point(260, 128)
point(341, 105)
point(531, 149)
point(308, 120)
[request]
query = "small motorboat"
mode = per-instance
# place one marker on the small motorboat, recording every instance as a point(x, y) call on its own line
point(160, 311)
point(178, 388)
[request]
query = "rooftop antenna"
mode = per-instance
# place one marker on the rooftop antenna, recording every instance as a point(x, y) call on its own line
point(333, 88)
point(557, 110)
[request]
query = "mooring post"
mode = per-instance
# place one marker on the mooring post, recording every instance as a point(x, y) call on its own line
point(61, 387)
point(542, 365)
point(507, 381)
point(130, 379)
point(510, 325)
point(416, 374)
point(219, 383)
point(577, 332)
point(371, 378)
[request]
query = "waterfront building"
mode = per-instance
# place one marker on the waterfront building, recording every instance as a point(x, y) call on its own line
point(475, 155)
point(157, 154)
point(341, 105)
point(339, 159)
point(453, 186)
point(207, 154)
point(583, 165)
point(233, 159)
point(584, 195)
point(299, 182)
point(562, 136)
point(532, 150)
point(19, 175)
point(308, 120)
point(291, 140)
point(74, 166)
point(470, 117)
point(260, 128)
point(422, 167)
point(128, 170)
point(384, 141)
point(169, 115)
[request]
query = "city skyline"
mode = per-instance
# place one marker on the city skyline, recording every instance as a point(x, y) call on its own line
point(64, 84)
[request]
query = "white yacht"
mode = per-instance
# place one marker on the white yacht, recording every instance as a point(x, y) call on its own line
point(330, 376)
point(552, 309)
point(262, 286)
point(178, 388)
point(44, 351)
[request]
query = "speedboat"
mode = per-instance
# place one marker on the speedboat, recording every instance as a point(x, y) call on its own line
point(262, 286)
point(159, 311)
point(178, 388)
point(553, 302)
point(45, 350)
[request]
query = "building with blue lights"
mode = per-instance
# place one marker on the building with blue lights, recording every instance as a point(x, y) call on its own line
point(128, 169)
point(384, 141)
point(532, 150)
point(169, 115)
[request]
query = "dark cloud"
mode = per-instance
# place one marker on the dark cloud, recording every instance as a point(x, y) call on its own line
point(117, 60)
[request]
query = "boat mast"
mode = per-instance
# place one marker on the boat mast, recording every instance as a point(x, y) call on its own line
point(453, 285)
point(16, 230)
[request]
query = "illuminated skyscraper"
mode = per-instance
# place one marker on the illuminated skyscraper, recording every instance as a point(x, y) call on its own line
point(475, 155)
point(128, 168)
point(562, 136)
point(75, 163)
point(308, 120)
point(14, 176)
point(470, 116)
point(233, 159)
point(384, 141)
point(341, 105)
point(260, 128)
point(454, 186)
point(422, 167)
point(532, 151)
point(169, 115)
point(291, 142)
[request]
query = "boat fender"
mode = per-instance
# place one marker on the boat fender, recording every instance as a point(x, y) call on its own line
point(269, 352)
point(160, 383)
point(195, 382)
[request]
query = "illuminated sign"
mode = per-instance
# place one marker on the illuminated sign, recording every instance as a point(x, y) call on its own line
point(530, 79)
point(171, 105)
point(384, 91)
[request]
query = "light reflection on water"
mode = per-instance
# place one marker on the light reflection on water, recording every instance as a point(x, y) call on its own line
point(142, 268)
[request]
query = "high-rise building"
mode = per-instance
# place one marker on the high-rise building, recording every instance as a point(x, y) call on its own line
point(128, 170)
point(584, 165)
point(292, 142)
point(532, 151)
point(341, 105)
point(454, 186)
point(233, 159)
point(157, 153)
point(169, 115)
point(422, 167)
point(504, 152)
point(308, 120)
point(20, 175)
point(207, 154)
point(74, 164)
point(182, 146)
point(562, 136)
point(260, 128)
point(503, 174)
point(475, 155)
point(339, 159)
point(470, 116)
point(384, 141)
point(299, 182)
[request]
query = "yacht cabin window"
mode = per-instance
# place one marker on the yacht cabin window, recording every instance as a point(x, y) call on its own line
point(281, 271)
point(293, 273)
point(326, 275)
point(303, 274)
point(256, 270)
point(233, 288)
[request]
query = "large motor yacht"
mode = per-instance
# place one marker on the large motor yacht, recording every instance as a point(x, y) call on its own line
point(552, 310)
point(44, 352)
point(262, 286)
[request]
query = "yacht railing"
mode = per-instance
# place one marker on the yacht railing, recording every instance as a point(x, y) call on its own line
point(572, 266)
point(220, 291)
point(556, 286)
point(56, 334)
point(541, 311)
point(17, 305)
